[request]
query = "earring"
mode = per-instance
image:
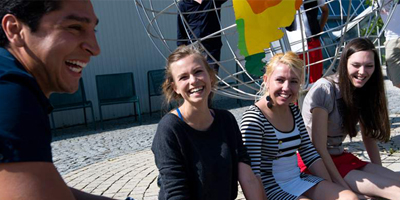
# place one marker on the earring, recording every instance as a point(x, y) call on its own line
point(269, 102)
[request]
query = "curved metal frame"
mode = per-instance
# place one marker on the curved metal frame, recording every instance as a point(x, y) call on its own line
point(149, 16)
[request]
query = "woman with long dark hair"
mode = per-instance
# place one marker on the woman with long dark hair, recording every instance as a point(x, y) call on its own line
point(337, 105)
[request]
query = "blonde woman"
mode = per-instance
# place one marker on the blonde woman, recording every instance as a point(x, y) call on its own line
point(198, 150)
point(273, 131)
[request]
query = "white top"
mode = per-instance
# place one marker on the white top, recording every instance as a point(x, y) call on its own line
point(296, 34)
point(393, 29)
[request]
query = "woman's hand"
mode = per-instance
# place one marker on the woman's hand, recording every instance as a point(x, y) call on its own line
point(251, 184)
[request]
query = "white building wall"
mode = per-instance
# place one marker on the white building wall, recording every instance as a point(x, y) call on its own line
point(125, 47)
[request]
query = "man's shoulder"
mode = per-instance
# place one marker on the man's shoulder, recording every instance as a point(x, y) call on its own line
point(17, 83)
point(24, 126)
point(11, 70)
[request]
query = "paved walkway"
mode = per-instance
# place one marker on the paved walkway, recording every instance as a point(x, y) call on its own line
point(135, 174)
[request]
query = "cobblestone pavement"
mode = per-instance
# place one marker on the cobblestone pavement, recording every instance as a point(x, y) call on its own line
point(118, 162)
point(135, 174)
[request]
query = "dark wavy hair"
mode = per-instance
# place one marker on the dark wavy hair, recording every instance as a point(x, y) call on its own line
point(29, 12)
point(367, 105)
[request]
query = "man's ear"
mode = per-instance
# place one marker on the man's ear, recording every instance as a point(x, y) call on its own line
point(13, 28)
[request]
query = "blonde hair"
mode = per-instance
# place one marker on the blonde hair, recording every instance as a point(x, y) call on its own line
point(180, 53)
point(290, 59)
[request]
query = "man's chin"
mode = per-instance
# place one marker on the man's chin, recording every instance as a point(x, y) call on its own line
point(69, 89)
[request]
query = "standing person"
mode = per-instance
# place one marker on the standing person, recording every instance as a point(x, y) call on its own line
point(203, 20)
point(44, 45)
point(312, 27)
point(273, 131)
point(392, 44)
point(336, 104)
point(198, 151)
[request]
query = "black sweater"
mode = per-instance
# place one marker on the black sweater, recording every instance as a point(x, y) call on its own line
point(199, 164)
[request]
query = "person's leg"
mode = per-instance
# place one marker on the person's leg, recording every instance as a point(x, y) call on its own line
point(303, 198)
point(392, 48)
point(315, 56)
point(373, 184)
point(326, 190)
point(381, 171)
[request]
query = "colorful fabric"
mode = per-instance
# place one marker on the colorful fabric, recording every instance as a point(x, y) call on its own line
point(258, 24)
point(315, 56)
point(344, 163)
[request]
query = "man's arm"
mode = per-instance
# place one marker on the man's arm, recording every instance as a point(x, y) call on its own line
point(181, 32)
point(37, 181)
point(324, 16)
point(33, 181)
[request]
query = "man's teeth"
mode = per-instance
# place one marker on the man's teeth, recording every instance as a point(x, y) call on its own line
point(196, 90)
point(75, 62)
point(75, 69)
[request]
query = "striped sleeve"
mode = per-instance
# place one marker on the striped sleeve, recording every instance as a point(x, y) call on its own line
point(307, 151)
point(252, 130)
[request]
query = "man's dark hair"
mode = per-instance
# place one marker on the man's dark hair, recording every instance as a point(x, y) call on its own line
point(29, 12)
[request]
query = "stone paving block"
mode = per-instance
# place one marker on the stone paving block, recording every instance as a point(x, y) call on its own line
point(394, 166)
point(96, 192)
point(120, 196)
point(109, 194)
point(151, 198)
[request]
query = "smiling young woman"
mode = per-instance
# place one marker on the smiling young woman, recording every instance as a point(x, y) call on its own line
point(336, 104)
point(198, 150)
point(273, 131)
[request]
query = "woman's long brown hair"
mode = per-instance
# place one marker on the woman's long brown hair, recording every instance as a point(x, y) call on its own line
point(367, 105)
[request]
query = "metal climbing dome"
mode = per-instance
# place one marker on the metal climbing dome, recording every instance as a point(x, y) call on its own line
point(347, 19)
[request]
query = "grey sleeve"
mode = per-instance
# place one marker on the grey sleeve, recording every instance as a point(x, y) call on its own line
point(322, 96)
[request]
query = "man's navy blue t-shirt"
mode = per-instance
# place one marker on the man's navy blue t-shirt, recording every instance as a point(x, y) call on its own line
point(25, 134)
point(201, 23)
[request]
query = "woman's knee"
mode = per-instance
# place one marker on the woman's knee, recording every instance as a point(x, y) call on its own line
point(347, 195)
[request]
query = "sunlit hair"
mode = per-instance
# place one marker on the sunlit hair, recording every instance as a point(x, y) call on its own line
point(367, 105)
point(180, 53)
point(290, 59)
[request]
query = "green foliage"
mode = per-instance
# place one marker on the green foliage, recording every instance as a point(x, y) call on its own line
point(372, 25)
